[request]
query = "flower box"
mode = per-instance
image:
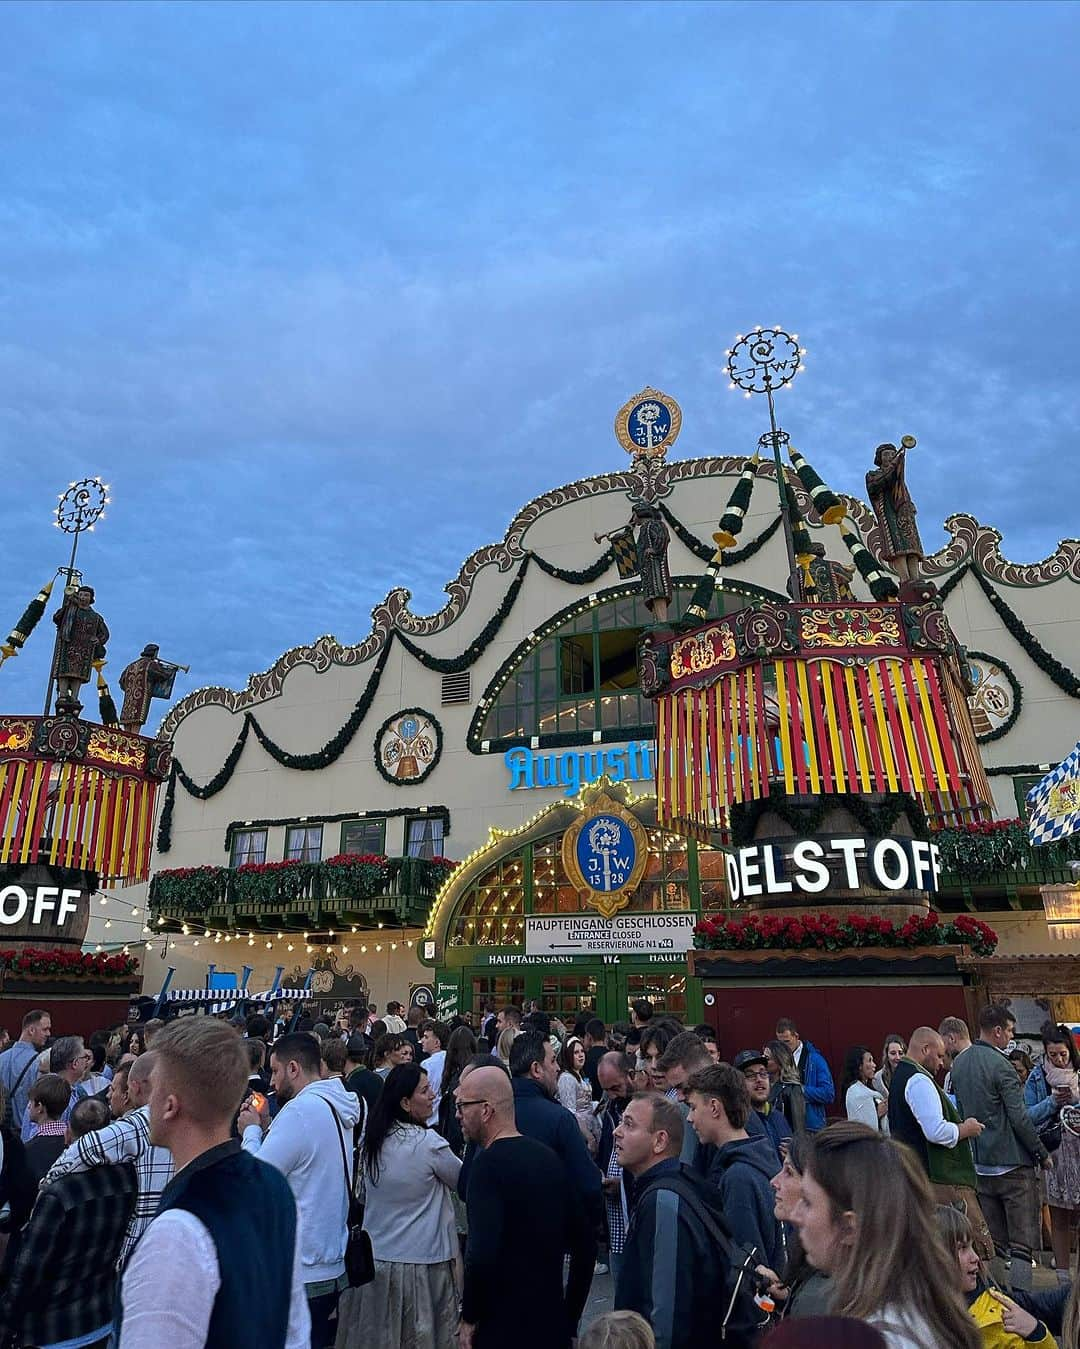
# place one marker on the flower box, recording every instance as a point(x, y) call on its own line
point(824, 933)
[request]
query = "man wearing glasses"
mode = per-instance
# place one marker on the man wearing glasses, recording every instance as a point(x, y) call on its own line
point(764, 1118)
point(517, 1200)
point(69, 1058)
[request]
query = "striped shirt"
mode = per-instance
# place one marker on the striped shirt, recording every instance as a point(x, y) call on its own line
point(128, 1140)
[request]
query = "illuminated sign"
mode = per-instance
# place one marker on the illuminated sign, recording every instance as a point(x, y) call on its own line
point(15, 903)
point(810, 867)
point(571, 770)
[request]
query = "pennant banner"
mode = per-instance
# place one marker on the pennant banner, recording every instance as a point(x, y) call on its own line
point(73, 815)
point(817, 726)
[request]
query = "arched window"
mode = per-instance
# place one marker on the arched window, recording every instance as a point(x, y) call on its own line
point(578, 675)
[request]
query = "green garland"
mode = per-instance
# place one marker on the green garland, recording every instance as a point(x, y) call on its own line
point(577, 578)
point(410, 782)
point(947, 587)
point(1018, 698)
point(1019, 770)
point(482, 640)
point(807, 817)
point(1057, 673)
point(331, 751)
point(707, 551)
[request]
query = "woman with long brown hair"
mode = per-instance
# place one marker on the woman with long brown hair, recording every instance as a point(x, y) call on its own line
point(866, 1218)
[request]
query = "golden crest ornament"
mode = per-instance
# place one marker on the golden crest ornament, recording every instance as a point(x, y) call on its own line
point(648, 424)
point(604, 854)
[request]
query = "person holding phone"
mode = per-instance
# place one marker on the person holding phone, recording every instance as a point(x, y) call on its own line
point(1051, 1085)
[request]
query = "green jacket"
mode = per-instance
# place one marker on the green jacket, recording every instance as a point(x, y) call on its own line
point(987, 1089)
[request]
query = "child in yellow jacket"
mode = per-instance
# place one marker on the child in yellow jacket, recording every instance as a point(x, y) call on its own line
point(1002, 1323)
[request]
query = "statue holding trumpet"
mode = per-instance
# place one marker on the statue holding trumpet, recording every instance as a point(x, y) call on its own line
point(144, 679)
point(895, 510)
point(645, 556)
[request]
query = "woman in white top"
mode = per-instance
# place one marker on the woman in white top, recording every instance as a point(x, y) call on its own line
point(862, 1103)
point(575, 1091)
point(410, 1172)
point(893, 1050)
point(866, 1217)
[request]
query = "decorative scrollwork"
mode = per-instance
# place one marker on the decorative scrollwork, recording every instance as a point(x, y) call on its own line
point(765, 630)
point(767, 358)
point(82, 505)
point(62, 738)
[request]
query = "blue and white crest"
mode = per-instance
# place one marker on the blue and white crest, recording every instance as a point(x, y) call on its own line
point(648, 423)
point(604, 855)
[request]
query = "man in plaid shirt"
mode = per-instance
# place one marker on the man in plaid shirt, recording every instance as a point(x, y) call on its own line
point(63, 1282)
point(128, 1140)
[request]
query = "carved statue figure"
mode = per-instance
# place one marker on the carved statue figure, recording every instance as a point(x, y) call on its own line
point(82, 637)
point(831, 580)
point(145, 678)
point(653, 540)
point(895, 510)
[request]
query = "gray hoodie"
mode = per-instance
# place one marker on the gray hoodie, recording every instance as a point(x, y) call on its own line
point(303, 1143)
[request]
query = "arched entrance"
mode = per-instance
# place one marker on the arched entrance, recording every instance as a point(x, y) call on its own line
point(486, 939)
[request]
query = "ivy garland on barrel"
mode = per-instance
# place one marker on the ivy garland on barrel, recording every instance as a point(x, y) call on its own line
point(825, 932)
point(805, 815)
point(72, 964)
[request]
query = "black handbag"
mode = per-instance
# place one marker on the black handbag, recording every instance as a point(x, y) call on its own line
point(1050, 1135)
point(359, 1256)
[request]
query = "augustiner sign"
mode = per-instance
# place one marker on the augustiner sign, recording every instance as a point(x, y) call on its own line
point(18, 904)
point(812, 866)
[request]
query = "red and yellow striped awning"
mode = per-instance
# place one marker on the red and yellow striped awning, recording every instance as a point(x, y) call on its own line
point(890, 724)
point(73, 815)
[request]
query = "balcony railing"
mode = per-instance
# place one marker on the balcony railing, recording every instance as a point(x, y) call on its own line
point(359, 891)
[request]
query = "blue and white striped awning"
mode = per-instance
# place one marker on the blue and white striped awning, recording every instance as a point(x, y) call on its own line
point(220, 999)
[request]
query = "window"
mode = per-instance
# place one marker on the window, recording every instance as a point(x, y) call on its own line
point(491, 912)
point(666, 992)
point(363, 836)
point(248, 845)
point(1021, 787)
point(583, 676)
point(303, 843)
point(424, 837)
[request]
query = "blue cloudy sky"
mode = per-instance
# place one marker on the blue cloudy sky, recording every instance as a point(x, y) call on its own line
point(326, 292)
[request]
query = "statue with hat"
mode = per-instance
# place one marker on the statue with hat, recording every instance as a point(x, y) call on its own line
point(827, 582)
point(144, 679)
point(653, 541)
point(81, 638)
point(895, 510)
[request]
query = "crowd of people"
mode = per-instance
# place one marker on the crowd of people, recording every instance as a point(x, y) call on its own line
point(406, 1183)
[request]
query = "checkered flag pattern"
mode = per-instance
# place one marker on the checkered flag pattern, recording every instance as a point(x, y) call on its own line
point(625, 550)
point(1054, 803)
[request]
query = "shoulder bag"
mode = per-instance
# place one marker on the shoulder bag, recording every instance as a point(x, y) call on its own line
point(359, 1257)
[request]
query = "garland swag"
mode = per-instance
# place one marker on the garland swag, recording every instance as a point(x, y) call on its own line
point(707, 551)
point(482, 640)
point(1065, 679)
point(806, 817)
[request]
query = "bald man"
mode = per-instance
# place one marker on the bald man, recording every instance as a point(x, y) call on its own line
point(517, 1201)
point(921, 1115)
point(126, 1140)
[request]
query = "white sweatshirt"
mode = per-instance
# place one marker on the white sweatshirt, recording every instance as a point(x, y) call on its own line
point(302, 1143)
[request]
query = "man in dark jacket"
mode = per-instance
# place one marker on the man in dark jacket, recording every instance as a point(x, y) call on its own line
point(742, 1166)
point(818, 1088)
point(535, 1072)
point(675, 1271)
point(765, 1120)
point(1008, 1150)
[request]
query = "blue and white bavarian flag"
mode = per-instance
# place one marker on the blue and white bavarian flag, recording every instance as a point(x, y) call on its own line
point(1054, 803)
